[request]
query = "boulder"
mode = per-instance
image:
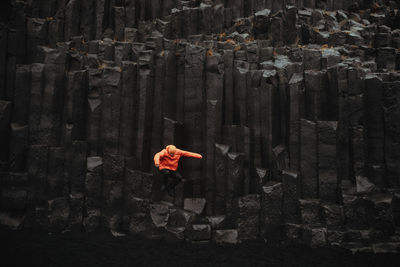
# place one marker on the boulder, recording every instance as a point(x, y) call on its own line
point(228, 236)
point(195, 205)
point(198, 232)
point(363, 185)
point(216, 222)
point(159, 214)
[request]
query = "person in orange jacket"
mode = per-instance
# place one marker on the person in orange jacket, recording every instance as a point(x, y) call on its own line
point(167, 162)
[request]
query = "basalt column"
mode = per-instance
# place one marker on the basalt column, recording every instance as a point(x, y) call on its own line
point(193, 115)
point(214, 93)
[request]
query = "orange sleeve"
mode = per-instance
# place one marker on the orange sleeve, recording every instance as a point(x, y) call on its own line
point(157, 157)
point(191, 154)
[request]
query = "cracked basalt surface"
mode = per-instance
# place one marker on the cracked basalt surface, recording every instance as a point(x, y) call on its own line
point(295, 106)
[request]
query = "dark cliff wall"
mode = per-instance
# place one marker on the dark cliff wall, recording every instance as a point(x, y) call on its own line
point(294, 108)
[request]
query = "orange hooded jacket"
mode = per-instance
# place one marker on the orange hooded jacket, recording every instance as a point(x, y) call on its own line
point(166, 161)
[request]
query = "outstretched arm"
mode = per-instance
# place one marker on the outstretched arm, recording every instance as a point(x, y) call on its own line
point(157, 158)
point(191, 154)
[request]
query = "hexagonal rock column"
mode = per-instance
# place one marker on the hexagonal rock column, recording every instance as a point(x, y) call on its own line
point(76, 165)
point(316, 94)
point(18, 147)
point(374, 127)
point(296, 111)
point(327, 161)
point(308, 159)
point(111, 112)
point(146, 93)
point(57, 183)
point(129, 96)
point(238, 137)
point(392, 120)
point(234, 180)
point(220, 176)
point(291, 194)
point(93, 200)
point(20, 112)
point(193, 109)
point(54, 83)
point(75, 110)
point(247, 211)
point(5, 115)
point(172, 132)
point(213, 135)
point(37, 170)
point(113, 188)
point(271, 211)
point(93, 114)
point(16, 196)
point(138, 184)
point(137, 214)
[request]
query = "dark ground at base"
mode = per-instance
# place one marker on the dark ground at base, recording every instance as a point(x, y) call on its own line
point(102, 249)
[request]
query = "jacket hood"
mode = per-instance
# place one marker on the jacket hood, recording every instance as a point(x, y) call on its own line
point(172, 147)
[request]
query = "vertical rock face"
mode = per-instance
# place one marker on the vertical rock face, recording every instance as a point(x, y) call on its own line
point(248, 216)
point(290, 194)
point(221, 172)
point(309, 159)
point(234, 179)
point(271, 211)
point(294, 106)
point(193, 117)
point(391, 113)
point(93, 200)
point(374, 126)
point(327, 166)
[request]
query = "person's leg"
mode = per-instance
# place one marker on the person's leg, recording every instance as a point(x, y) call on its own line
point(176, 179)
point(166, 174)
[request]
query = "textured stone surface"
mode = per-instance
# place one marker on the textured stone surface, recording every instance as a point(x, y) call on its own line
point(159, 214)
point(248, 216)
point(195, 205)
point(310, 210)
point(327, 164)
point(315, 237)
point(271, 211)
point(198, 232)
point(229, 236)
point(290, 103)
point(309, 157)
point(291, 193)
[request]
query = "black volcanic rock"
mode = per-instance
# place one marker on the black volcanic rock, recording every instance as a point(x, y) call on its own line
point(292, 104)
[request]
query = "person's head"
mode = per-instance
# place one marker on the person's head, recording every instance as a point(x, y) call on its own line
point(171, 149)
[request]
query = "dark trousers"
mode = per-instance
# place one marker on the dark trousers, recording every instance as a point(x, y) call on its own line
point(171, 178)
